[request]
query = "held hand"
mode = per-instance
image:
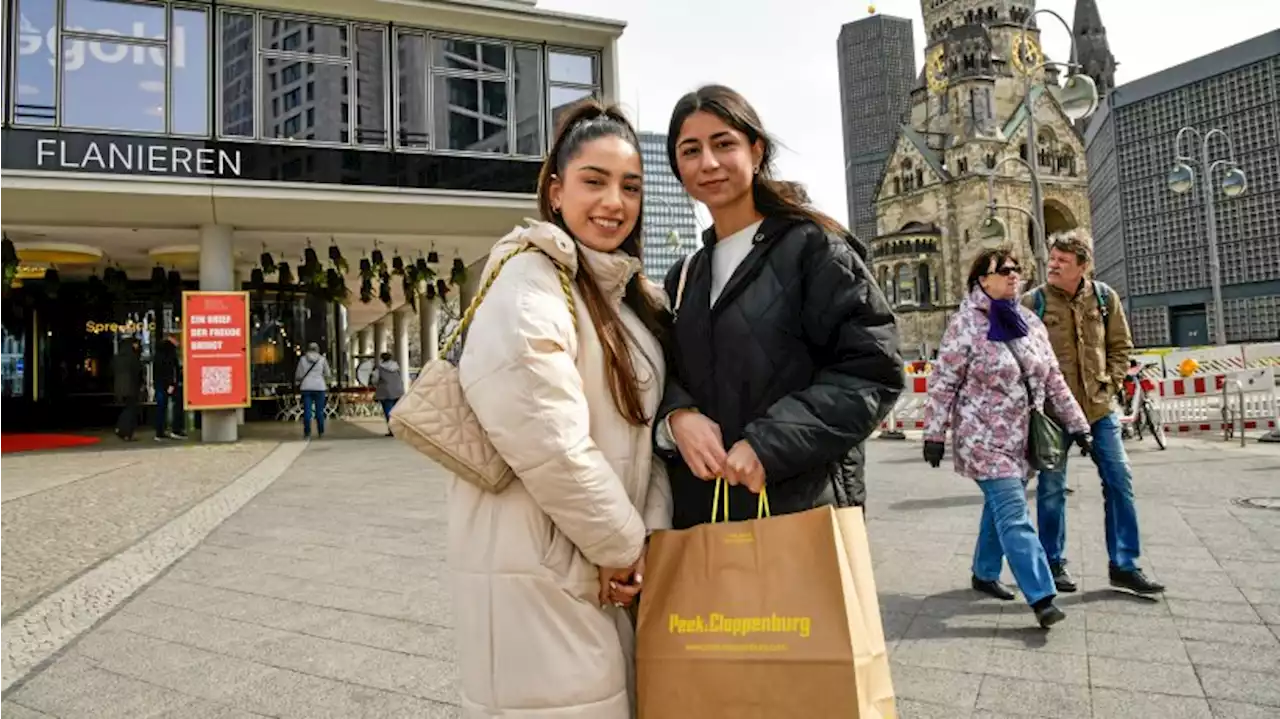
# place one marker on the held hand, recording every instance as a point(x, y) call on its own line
point(700, 443)
point(743, 467)
point(619, 586)
point(933, 452)
point(1084, 442)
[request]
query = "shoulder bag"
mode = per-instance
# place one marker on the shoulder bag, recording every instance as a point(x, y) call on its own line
point(1045, 449)
point(434, 418)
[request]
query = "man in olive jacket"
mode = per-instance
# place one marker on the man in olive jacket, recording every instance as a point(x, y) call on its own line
point(1090, 336)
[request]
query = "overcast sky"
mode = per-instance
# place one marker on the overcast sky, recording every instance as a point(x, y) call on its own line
point(781, 54)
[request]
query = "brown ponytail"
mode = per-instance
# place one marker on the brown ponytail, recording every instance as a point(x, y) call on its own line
point(583, 122)
point(773, 197)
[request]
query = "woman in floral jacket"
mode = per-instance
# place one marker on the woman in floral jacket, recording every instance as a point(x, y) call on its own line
point(992, 352)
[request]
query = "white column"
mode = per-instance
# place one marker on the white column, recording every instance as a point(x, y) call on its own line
point(366, 341)
point(217, 272)
point(429, 328)
point(400, 320)
point(379, 338)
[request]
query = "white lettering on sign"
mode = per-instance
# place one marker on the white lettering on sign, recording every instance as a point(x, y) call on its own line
point(210, 345)
point(156, 158)
point(31, 39)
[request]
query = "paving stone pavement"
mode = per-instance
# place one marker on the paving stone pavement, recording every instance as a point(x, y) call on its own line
point(325, 596)
point(64, 512)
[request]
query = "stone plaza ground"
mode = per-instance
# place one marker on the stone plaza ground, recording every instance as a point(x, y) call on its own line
point(315, 585)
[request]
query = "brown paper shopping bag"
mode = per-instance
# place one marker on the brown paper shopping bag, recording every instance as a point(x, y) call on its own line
point(764, 619)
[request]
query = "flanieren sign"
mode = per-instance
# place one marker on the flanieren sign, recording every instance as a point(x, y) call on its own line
point(215, 334)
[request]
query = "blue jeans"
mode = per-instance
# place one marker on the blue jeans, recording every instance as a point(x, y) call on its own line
point(166, 404)
point(1123, 545)
point(387, 405)
point(1006, 531)
point(312, 403)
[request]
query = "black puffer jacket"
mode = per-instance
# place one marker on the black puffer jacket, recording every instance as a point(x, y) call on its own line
point(799, 356)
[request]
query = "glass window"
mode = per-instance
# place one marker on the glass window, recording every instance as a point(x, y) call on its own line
point(573, 68)
point(189, 58)
point(562, 98)
point(113, 86)
point(371, 88)
point(35, 84)
point(111, 17)
point(411, 55)
point(471, 114)
point(303, 36)
point(328, 120)
point(528, 101)
point(237, 56)
point(470, 55)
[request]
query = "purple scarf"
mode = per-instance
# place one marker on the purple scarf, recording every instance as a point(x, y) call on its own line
point(1006, 320)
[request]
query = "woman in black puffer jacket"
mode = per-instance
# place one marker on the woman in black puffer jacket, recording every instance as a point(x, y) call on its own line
point(784, 356)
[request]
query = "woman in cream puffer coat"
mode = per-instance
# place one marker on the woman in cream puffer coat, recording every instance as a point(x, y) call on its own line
point(533, 639)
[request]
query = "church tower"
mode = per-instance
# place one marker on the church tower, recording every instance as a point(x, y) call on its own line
point(1092, 50)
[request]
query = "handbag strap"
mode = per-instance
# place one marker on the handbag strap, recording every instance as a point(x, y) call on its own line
point(684, 277)
point(566, 284)
point(1022, 373)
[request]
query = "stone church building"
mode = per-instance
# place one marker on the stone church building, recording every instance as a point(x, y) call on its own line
point(967, 117)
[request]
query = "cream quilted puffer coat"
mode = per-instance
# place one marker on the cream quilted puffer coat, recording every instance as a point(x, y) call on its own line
point(532, 639)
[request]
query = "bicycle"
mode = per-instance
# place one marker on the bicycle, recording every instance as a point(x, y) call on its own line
point(1146, 413)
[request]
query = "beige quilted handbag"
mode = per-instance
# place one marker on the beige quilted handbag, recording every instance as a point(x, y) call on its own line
point(434, 418)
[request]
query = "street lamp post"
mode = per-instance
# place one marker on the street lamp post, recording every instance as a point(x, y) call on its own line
point(1079, 99)
point(994, 228)
point(1182, 178)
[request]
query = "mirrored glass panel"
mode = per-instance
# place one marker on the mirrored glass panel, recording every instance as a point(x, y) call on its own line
point(471, 114)
point(572, 68)
point(469, 55)
point(528, 105)
point(35, 83)
point(189, 58)
point(304, 100)
point(119, 86)
point(562, 98)
point(109, 17)
point(411, 80)
point(237, 58)
point(305, 37)
point(371, 88)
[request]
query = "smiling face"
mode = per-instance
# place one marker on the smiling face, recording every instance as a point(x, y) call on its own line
point(717, 163)
point(599, 191)
point(1002, 279)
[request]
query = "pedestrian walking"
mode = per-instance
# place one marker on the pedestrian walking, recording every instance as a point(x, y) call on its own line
point(995, 366)
point(167, 376)
point(563, 368)
point(784, 352)
point(388, 385)
point(129, 376)
point(1090, 337)
point(312, 374)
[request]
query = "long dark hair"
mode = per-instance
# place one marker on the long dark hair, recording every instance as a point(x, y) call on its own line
point(582, 123)
point(773, 197)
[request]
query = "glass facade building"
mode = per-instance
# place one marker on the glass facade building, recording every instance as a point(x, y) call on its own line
point(1150, 243)
point(670, 224)
point(877, 74)
point(134, 130)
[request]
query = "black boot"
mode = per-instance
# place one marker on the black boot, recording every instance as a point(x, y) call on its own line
point(993, 589)
point(1134, 580)
point(1047, 614)
point(1062, 578)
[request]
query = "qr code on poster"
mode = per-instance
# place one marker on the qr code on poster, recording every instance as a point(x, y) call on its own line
point(215, 380)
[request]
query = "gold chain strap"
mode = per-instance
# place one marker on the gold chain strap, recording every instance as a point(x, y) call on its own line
point(566, 284)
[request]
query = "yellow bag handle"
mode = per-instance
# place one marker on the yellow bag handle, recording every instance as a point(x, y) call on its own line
point(566, 282)
point(762, 503)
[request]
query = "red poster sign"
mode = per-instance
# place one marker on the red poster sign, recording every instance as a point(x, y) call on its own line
point(215, 349)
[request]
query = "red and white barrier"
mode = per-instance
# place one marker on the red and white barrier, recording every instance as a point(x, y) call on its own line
point(908, 413)
point(1194, 405)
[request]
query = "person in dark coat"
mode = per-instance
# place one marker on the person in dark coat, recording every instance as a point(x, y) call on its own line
point(168, 380)
point(129, 378)
point(783, 355)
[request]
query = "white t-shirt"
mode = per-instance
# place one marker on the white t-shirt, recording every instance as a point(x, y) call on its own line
point(729, 253)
